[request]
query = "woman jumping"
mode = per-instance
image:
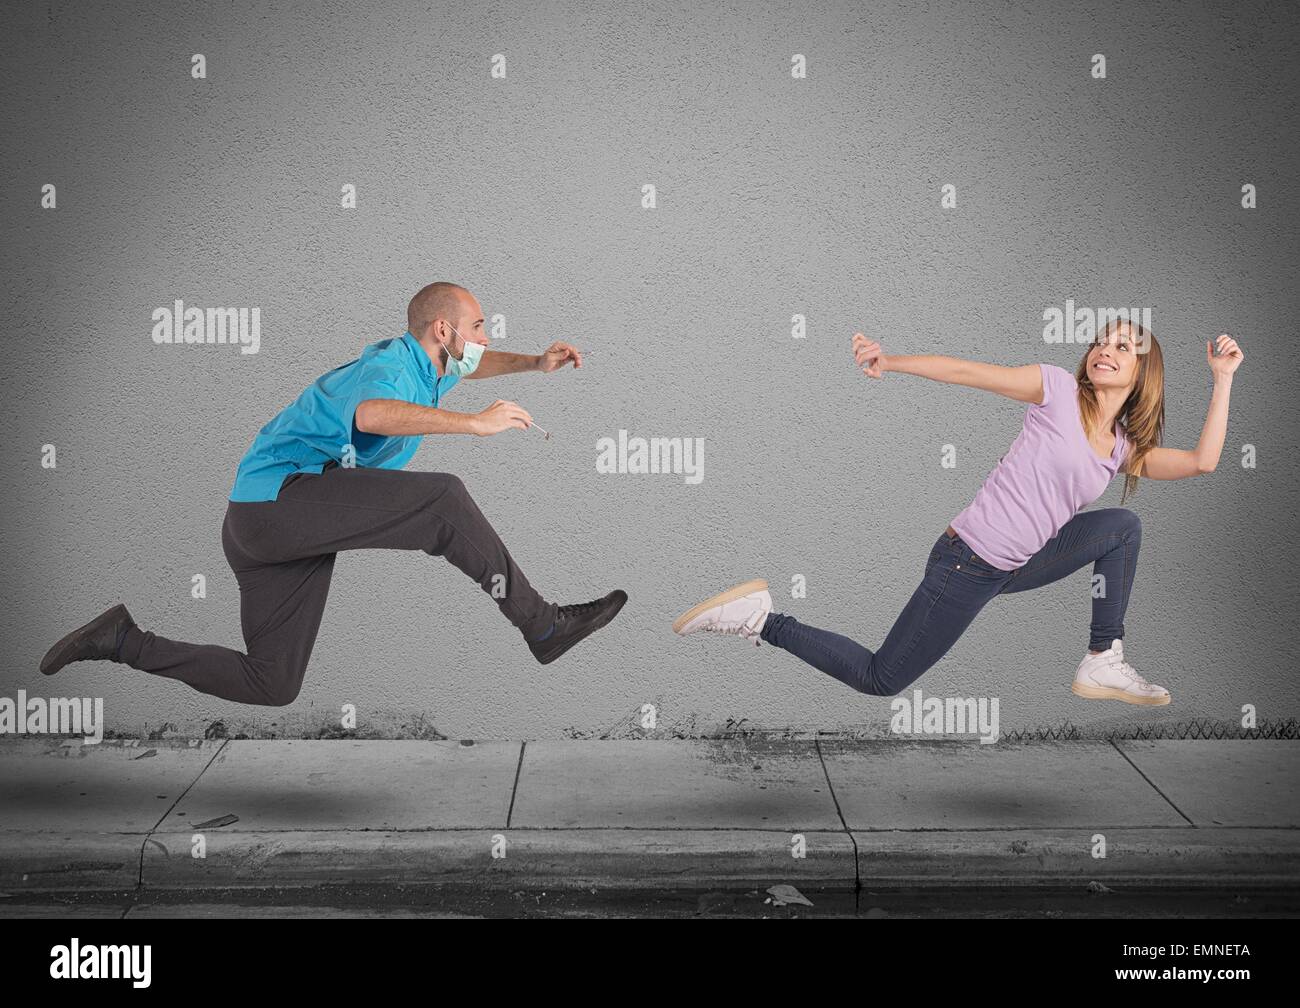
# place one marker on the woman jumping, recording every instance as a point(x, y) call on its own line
point(1025, 528)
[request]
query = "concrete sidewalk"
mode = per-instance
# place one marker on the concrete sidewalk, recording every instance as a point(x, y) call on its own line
point(680, 814)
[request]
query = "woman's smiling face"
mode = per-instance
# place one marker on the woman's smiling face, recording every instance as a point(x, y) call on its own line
point(1113, 361)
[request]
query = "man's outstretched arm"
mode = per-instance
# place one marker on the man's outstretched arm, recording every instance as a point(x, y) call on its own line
point(501, 362)
point(398, 418)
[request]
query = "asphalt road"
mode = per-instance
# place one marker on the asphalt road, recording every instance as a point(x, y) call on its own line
point(451, 902)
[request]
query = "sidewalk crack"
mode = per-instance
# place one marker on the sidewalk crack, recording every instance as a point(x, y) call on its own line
point(857, 876)
point(514, 789)
point(139, 880)
point(1157, 790)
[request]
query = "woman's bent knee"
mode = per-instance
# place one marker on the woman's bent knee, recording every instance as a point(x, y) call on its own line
point(1122, 521)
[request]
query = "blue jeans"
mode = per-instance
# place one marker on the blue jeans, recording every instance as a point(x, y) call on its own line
point(957, 585)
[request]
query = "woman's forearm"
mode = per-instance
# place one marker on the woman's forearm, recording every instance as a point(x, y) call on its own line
point(933, 366)
point(1210, 446)
point(1023, 383)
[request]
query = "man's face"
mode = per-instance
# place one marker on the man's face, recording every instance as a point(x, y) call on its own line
point(470, 326)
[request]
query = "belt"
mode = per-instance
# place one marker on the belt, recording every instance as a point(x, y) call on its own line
point(950, 531)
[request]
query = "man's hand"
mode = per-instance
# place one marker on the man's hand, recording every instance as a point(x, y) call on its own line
point(501, 415)
point(557, 355)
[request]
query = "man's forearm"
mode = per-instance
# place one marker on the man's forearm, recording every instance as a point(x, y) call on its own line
point(397, 418)
point(501, 362)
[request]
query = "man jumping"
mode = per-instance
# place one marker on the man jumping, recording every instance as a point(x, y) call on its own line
point(324, 476)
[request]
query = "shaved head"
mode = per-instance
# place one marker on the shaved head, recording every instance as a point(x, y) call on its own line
point(440, 300)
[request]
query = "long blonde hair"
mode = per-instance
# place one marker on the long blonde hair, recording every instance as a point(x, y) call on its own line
point(1142, 416)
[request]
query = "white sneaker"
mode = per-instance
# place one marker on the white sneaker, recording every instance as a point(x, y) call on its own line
point(1107, 676)
point(741, 610)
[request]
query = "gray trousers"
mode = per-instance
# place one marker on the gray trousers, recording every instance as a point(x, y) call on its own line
point(282, 553)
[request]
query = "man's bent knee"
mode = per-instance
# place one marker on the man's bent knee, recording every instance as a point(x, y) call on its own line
point(281, 696)
point(449, 486)
point(279, 687)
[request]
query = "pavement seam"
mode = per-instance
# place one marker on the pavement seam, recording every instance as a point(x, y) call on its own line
point(1115, 746)
point(778, 830)
point(792, 828)
point(857, 874)
point(514, 788)
point(139, 881)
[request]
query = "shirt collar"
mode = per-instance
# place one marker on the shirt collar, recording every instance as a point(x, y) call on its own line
point(424, 364)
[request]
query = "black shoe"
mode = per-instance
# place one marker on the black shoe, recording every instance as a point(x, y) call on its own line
point(100, 638)
point(574, 622)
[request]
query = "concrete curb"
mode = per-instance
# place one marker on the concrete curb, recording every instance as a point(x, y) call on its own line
point(1190, 857)
point(654, 859)
point(44, 861)
point(561, 858)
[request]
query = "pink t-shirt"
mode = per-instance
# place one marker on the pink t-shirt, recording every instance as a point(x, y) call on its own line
point(1048, 475)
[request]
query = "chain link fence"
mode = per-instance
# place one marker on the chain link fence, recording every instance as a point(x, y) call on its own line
point(1204, 728)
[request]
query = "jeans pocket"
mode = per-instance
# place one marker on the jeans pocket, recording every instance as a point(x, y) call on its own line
point(981, 567)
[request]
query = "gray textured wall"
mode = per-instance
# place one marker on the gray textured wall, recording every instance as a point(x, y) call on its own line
point(776, 197)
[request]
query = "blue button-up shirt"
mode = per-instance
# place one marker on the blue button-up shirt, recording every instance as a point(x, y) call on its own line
point(318, 427)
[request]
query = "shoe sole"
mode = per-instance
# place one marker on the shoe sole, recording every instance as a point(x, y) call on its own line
point(622, 601)
point(730, 595)
point(1106, 693)
point(54, 660)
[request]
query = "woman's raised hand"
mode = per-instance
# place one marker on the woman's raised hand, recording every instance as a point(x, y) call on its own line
point(868, 355)
point(1229, 359)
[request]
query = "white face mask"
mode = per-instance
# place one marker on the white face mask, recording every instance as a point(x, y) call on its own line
point(470, 355)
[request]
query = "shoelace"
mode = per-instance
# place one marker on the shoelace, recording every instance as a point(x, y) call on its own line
point(578, 607)
point(1126, 669)
point(749, 628)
